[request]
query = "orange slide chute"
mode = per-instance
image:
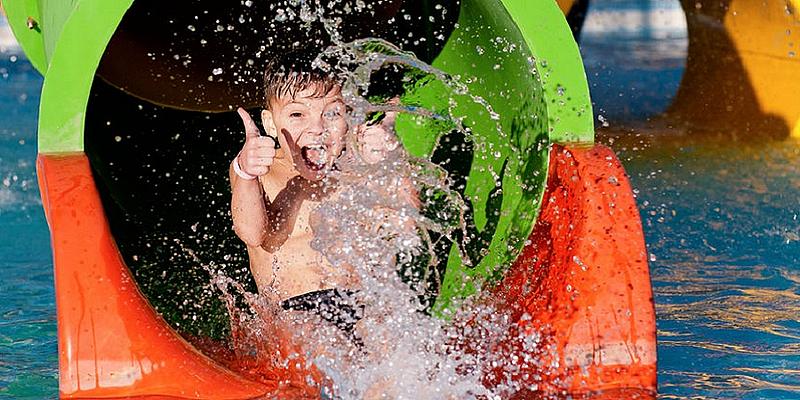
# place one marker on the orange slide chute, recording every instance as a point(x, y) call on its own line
point(111, 342)
point(583, 279)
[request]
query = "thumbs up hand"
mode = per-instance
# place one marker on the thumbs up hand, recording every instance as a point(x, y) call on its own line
point(258, 151)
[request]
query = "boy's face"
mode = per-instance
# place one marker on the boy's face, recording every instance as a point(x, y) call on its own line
point(310, 127)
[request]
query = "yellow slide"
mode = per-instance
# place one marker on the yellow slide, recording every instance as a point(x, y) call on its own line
point(742, 70)
point(743, 67)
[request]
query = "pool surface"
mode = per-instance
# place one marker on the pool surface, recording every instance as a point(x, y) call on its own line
point(721, 221)
point(28, 359)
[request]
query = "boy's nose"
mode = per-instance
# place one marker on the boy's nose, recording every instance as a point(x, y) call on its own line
point(315, 126)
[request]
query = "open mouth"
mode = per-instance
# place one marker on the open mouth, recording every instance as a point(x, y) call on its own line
point(314, 156)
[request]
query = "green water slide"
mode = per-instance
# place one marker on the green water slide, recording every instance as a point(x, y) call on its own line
point(65, 41)
point(101, 57)
point(136, 135)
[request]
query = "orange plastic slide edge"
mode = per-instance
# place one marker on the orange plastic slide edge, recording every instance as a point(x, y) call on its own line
point(111, 342)
point(583, 281)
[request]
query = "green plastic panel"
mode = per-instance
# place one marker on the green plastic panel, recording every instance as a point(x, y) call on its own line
point(26, 23)
point(520, 52)
point(540, 94)
point(74, 55)
point(560, 67)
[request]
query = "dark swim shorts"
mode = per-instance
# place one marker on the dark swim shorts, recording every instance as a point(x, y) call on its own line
point(336, 306)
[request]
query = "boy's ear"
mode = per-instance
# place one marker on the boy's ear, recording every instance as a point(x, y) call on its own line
point(268, 123)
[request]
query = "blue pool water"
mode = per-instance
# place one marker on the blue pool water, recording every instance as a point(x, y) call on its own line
point(721, 219)
point(722, 223)
point(28, 359)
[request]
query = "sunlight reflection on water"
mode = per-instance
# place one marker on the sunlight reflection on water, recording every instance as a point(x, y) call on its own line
point(720, 220)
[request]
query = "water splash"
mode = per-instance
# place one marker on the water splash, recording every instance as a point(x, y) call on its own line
point(381, 225)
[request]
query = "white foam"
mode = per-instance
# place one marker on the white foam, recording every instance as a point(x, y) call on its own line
point(7, 198)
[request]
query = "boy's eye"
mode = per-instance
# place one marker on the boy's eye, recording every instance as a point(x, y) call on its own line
point(296, 114)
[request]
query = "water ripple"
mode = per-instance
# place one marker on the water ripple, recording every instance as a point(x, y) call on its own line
point(716, 385)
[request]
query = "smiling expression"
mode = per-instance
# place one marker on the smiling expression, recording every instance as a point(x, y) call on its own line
point(312, 126)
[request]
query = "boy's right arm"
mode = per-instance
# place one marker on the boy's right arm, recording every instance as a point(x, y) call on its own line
point(248, 202)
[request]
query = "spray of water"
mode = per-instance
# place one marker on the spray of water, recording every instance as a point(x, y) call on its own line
point(376, 225)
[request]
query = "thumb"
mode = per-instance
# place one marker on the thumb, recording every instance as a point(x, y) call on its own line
point(250, 127)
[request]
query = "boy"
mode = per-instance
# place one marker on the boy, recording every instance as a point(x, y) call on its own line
point(278, 179)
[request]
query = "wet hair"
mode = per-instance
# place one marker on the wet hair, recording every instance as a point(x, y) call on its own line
point(291, 72)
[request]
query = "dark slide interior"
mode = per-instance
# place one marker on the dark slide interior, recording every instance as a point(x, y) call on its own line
point(160, 134)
